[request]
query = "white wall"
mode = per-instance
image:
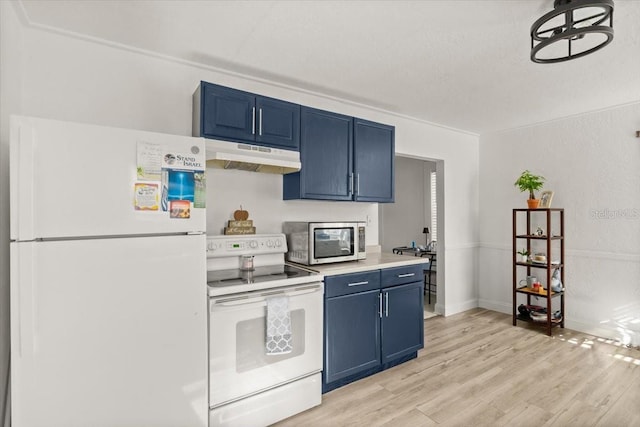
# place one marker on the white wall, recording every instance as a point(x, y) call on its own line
point(458, 174)
point(261, 195)
point(592, 163)
point(63, 77)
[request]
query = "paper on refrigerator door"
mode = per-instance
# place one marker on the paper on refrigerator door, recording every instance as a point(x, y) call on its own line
point(169, 178)
point(149, 161)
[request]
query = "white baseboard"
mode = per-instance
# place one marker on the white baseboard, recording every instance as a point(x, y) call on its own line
point(450, 309)
point(500, 307)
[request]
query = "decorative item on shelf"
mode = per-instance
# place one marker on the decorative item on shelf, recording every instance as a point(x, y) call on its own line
point(538, 317)
point(240, 224)
point(545, 199)
point(240, 214)
point(539, 258)
point(524, 255)
point(556, 283)
point(539, 231)
point(531, 183)
point(529, 281)
point(574, 28)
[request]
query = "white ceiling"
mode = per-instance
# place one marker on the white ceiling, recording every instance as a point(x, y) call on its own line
point(461, 64)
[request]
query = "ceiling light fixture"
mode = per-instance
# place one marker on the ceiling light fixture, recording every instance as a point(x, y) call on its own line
point(573, 29)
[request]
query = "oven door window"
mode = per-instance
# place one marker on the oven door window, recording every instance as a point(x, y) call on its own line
point(333, 242)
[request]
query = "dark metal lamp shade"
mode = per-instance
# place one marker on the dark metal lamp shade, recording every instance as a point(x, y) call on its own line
point(573, 29)
point(426, 231)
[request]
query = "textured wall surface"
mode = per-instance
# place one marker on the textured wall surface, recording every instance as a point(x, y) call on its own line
point(592, 163)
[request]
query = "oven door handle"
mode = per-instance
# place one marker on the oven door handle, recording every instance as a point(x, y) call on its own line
point(261, 298)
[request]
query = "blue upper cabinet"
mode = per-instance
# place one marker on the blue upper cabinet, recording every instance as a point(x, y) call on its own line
point(278, 123)
point(343, 159)
point(326, 146)
point(226, 113)
point(230, 114)
point(373, 161)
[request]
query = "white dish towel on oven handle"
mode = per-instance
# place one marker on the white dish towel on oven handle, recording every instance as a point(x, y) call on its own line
point(279, 337)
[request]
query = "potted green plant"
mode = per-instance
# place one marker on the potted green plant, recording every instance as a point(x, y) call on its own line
point(523, 255)
point(530, 182)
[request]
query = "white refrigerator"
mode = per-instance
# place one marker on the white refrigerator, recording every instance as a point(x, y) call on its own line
point(108, 277)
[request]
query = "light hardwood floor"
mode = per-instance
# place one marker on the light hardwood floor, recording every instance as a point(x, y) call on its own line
point(478, 370)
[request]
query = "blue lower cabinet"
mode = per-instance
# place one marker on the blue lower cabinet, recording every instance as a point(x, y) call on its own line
point(403, 321)
point(369, 330)
point(352, 335)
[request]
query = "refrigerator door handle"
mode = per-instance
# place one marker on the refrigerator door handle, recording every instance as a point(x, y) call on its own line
point(24, 311)
point(16, 309)
point(22, 181)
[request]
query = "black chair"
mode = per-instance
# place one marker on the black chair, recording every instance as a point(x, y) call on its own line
point(430, 277)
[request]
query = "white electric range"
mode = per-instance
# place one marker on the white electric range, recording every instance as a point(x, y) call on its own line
point(249, 384)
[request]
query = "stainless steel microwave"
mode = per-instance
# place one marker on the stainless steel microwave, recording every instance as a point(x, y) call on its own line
point(312, 243)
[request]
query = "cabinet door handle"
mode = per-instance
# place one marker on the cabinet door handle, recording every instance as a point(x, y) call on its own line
point(253, 121)
point(358, 283)
point(350, 179)
point(260, 124)
point(387, 304)
point(380, 303)
point(358, 184)
point(406, 275)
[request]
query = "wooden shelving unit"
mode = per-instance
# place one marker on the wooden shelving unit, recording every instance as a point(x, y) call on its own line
point(553, 218)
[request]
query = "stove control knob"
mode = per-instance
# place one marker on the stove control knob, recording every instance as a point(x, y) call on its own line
point(253, 244)
point(269, 243)
point(278, 243)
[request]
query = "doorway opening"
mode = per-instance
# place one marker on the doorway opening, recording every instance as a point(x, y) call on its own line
point(418, 208)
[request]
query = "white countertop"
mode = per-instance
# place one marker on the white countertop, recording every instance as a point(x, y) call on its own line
point(374, 261)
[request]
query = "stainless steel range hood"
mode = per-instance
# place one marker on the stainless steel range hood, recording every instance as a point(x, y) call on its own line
point(254, 158)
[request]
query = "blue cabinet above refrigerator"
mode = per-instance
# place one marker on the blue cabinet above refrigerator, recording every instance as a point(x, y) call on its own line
point(225, 113)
